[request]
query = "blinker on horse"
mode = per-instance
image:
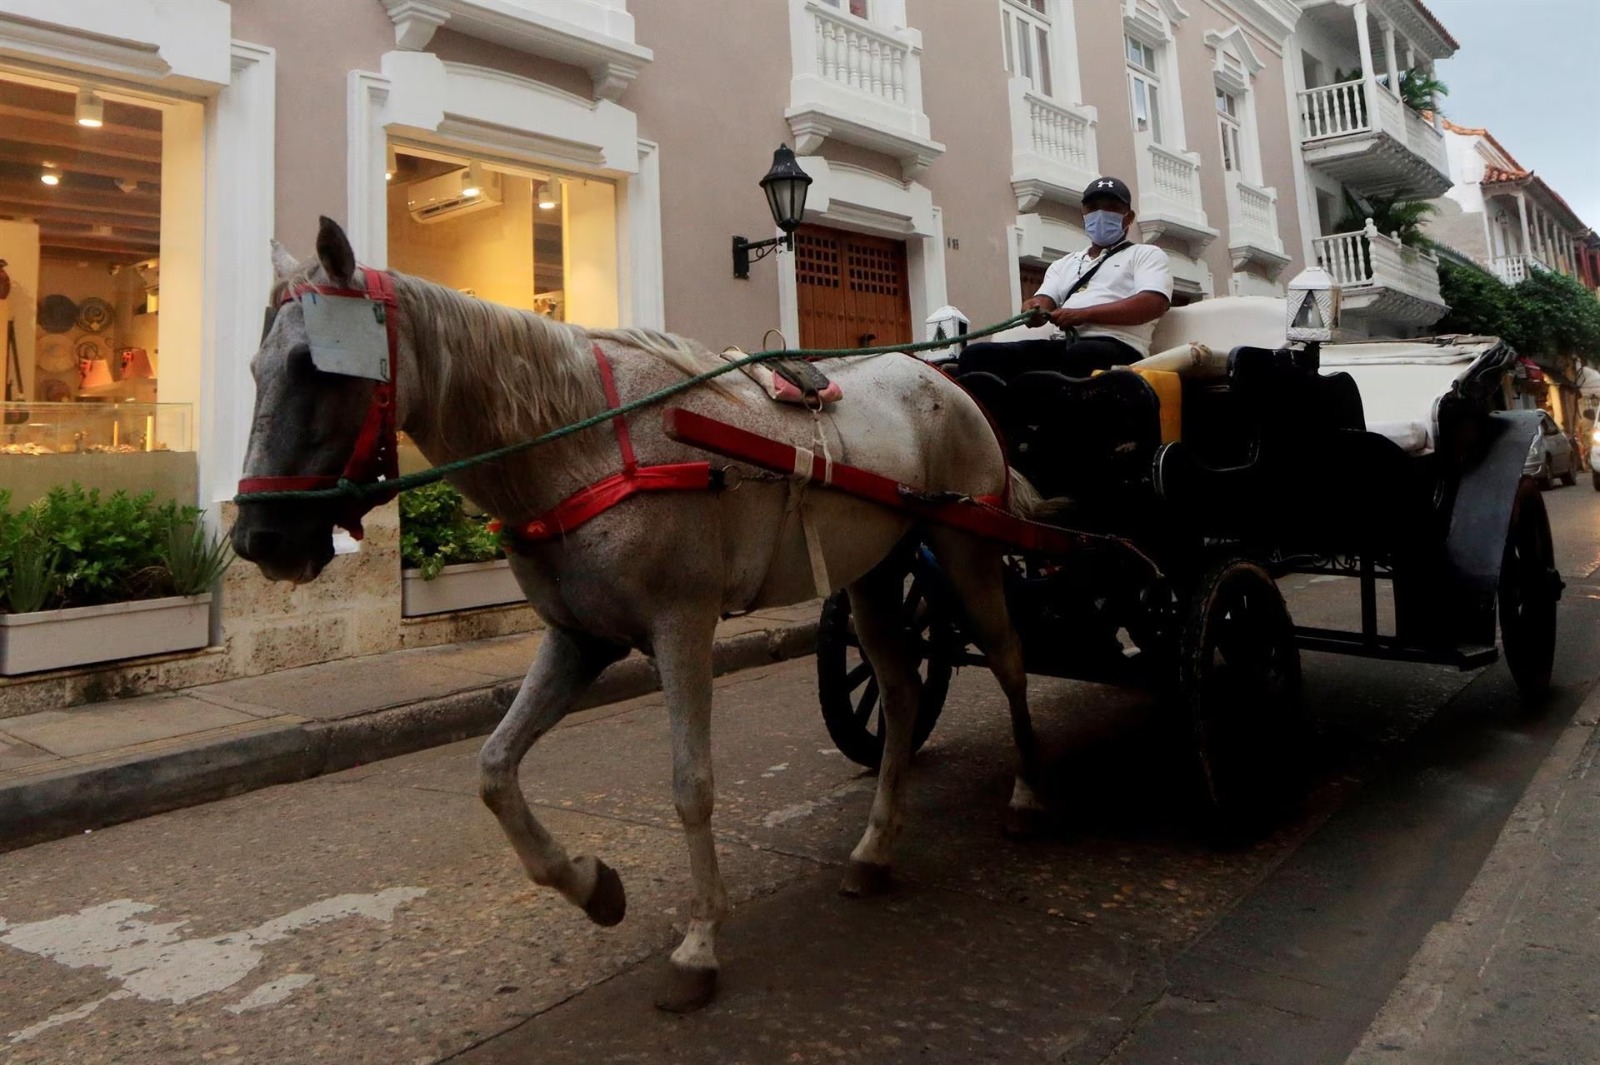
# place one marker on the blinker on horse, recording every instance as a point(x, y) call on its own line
point(656, 570)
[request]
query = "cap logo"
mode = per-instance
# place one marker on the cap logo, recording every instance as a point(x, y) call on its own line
point(1105, 184)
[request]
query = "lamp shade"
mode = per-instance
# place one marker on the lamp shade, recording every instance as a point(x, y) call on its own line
point(95, 373)
point(785, 186)
point(1313, 306)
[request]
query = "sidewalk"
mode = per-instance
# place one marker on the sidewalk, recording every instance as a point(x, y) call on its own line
point(65, 771)
point(1514, 975)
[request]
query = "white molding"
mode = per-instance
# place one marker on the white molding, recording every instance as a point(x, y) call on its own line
point(501, 113)
point(1152, 20)
point(1238, 41)
point(1275, 18)
point(640, 258)
point(177, 45)
point(848, 197)
point(1042, 239)
point(240, 173)
point(1042, 163)
point(596, 35)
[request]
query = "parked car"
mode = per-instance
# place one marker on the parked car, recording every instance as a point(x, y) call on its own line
point(1551, 454)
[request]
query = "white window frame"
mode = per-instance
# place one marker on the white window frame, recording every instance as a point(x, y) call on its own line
point(1234, 73)
point(1031, 57)
point(513, 120)
point(1146, 77)
point(1230, 129)
point(1153, 23)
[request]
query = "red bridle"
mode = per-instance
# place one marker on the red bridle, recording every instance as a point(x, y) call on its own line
point(375, 453)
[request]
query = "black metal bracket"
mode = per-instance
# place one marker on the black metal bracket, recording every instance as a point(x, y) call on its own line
point(763, 248)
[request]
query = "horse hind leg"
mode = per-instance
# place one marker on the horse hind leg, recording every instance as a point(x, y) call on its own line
point(683, 646)
point(976, 573)
point(876, 605)
point(566, 664)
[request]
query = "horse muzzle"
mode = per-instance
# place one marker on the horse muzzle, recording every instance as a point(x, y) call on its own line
point(281, 552)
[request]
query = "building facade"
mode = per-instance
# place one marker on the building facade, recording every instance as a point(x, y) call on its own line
point(592, 159)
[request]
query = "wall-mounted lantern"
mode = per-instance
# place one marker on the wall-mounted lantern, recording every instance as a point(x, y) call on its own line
point(785, 186)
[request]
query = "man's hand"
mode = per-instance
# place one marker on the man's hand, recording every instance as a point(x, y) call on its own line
point(1068, 317)
point(1039, 308)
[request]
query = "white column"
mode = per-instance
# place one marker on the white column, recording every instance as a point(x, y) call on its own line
point(1522, 209)
point(1388, 51)
point(1368, 75)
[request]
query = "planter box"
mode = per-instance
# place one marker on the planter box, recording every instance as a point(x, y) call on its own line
point(57, 639)
point(463, 587)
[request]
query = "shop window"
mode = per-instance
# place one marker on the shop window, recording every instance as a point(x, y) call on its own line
point(100, 358)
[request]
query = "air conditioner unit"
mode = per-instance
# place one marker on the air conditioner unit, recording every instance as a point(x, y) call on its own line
point(437, 199)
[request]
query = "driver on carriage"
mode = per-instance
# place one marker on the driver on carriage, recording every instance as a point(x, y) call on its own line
point(1111, 294)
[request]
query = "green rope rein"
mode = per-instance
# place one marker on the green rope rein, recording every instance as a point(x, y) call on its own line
point(351, 490)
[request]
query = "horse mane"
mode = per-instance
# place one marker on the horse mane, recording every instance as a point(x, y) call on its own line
point(496, 374)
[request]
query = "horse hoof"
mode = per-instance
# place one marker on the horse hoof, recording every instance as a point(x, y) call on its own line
point(689, 988)
point(1024, 823)
point(608, 902)
point(865, 879)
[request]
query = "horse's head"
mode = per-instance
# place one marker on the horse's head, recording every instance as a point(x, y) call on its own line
point(307, 422)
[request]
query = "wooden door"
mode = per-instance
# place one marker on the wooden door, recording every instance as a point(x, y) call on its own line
point(852, 289)
point(1031, 276)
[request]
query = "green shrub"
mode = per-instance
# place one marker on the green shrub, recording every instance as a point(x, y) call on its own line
point(436, 531)
point(74, 548)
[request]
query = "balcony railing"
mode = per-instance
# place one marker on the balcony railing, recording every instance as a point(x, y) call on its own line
point(1252, 216)
point(1176, 176)
point(1053, 154)
point(1059, 133)
point(1334, 110)
point(857, 81)
point(859, 56)
point(1368, 258)
point(1514, 269)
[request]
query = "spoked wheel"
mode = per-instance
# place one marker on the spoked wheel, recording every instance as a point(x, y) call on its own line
point(1239, 680)
point(1529, 588)
point(851, 704)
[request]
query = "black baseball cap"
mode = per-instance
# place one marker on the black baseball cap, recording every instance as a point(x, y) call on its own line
point(1108, 186)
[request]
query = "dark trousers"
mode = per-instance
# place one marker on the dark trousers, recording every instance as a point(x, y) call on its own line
point(1077, 358)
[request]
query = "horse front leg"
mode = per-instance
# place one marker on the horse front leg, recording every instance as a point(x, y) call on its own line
point(683, 658)
point(876, 604)
point(566, 664)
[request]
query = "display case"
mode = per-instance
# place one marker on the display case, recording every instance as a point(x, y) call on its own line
point(136, 447)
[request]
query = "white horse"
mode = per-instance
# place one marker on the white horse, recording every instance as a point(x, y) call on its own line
point(656, 571)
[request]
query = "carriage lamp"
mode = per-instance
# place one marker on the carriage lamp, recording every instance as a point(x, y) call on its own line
point(1313, 307)
point(946, 323)
point(785, 186)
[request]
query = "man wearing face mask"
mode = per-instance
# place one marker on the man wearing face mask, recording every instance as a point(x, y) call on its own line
point(1111, 294)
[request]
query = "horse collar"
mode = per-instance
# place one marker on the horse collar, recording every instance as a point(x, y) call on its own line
point(375, 456)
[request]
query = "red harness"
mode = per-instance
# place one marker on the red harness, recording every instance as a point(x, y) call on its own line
point(596, 499)
point(376, 451)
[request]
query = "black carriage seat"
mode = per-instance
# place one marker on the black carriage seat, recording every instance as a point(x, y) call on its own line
point(1085, 438)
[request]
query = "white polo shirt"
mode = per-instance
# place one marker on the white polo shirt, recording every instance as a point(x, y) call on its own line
point(1135, 269)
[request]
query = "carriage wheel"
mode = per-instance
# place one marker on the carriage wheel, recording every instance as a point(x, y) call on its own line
point(848, 690)
point(1239, 680)
point(1529, 588)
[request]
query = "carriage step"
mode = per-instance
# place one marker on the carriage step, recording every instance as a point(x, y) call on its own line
point(1339, 642)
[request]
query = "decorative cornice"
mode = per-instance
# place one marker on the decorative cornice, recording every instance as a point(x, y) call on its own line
point(612, 62)
point(814, 125)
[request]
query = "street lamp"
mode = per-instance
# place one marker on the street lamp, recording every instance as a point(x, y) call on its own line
point(785, 186)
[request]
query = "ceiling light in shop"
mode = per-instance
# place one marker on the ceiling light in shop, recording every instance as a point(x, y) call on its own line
point(90, 111)
point(550, 195)
point(472, 181)
point(50, 175)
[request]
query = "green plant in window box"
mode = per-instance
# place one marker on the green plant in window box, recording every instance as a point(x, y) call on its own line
point(437, 531)
point(74, 548)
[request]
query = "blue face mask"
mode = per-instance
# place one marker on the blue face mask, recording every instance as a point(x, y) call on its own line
point(1105, 228)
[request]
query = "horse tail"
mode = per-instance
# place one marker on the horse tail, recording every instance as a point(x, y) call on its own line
point(1023, 500)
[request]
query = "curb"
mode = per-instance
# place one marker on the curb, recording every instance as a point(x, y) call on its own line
point(84, 797)
point(1413, 1026)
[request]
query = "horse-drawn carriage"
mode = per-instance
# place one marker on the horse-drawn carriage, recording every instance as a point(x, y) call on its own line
point(1211, 476)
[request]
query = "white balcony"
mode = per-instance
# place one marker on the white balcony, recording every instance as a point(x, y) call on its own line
point(1253, 227)
point(1379, 146)
point(859, 82)
point(1169, 197)
point(1514, 269)
point(1053, 152)
point(1380, 278)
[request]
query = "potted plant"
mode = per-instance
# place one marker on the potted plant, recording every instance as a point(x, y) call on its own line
point(452, 559)
point(85, 579)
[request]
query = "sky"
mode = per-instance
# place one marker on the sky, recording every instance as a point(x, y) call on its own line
point(1526, 72)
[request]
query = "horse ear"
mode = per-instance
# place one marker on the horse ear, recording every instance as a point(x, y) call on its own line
point(333, 249)
point(283, 264)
